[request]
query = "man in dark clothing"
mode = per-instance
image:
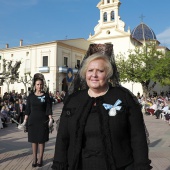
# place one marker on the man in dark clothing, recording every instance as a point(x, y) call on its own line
point(20, 109)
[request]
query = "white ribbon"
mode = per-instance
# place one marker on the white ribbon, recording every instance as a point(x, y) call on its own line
point(113, 108)
point(42, 98)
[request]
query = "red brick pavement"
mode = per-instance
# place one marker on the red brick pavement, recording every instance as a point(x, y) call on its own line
point(16, 154)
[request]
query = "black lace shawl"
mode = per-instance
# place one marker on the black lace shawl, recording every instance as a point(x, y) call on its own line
point(106, 49)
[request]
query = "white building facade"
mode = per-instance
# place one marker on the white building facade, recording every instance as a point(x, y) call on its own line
point(52, 59)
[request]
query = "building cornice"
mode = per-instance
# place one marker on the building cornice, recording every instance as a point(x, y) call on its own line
point(124, 34)
point(106, 38)
point(71, 47)
point(52, 43)
point(28, 46)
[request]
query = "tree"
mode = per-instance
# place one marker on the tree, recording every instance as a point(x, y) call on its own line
point(162, 70)
point(25, 80)
point(10, 73)
point(139, 66)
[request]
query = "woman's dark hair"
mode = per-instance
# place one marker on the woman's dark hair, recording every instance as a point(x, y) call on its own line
point(39, 76)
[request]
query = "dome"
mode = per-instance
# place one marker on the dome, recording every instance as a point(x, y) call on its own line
point(143, 32)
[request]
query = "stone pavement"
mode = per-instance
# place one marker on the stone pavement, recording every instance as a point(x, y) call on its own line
point(15, 150)
point(16, 154)
point(159, 147)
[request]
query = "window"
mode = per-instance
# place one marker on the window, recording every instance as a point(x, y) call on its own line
point(22, 91)
point(27, 53)
point(108, 1)
point(112, 15)
point(0, 57)
point(105, 17)
point(12, 55)
point(78, 64)
point(66, 61)
point(45, 61)
point(27, 66)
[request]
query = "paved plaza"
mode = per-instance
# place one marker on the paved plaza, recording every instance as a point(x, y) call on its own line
point(16, 154)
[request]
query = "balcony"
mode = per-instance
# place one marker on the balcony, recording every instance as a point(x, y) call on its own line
point(63, 69)
point(45, 69)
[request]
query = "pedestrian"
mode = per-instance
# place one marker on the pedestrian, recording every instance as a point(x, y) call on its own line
point(101, 125)
point(38, 116)
point(20, 109)
point(4, 115)
point(1, 125)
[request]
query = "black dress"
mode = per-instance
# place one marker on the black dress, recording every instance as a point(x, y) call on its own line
point(92, 149)
point(38, 108)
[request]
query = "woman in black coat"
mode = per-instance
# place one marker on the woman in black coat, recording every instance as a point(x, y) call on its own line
point(38, 116)
point(102, 127)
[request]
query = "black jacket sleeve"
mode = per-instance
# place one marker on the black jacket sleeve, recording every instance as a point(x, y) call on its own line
point(48, 105)
point(28, 106)
point(138, 134)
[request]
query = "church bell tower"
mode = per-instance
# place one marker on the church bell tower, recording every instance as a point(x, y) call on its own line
point(110, 22)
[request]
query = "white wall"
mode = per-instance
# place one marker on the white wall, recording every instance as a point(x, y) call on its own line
point(32, 58)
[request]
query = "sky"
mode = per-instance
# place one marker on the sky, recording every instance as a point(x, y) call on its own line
point(38, 21)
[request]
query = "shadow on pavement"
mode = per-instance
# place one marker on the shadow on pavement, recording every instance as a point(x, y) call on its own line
point(153, 144)
point(15, 157)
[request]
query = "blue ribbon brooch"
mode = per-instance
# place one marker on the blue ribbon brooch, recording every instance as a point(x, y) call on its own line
point(42, 98)
point(113, 108)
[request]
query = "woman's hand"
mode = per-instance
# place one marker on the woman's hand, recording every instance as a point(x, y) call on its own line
point(50, 122)
point(24, 123)
point(22, 126)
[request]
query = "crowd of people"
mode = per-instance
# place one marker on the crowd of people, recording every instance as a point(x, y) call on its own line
point(13, 105)
point(156, 105)
point(58, 97)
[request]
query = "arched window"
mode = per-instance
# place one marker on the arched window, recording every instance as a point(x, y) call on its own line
point(112, 15)
point(105, 17)
point(108, 1)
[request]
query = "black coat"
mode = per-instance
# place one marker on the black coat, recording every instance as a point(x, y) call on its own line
point(123, 135)
point(17, 108)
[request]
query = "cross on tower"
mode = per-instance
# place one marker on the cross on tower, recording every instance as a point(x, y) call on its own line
point(141, 17)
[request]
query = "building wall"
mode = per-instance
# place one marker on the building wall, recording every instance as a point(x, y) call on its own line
point(32, 60)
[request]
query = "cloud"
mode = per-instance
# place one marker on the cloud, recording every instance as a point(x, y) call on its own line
point(164, 37)
point(17, 3)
